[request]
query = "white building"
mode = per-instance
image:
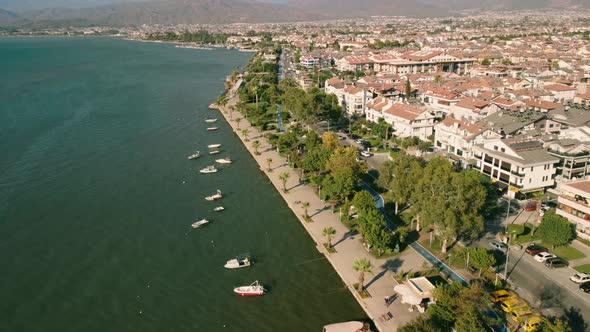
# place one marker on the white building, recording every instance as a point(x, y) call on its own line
point(457, 138)
point(354, 100)
point(472, 109)
point(573, 203)
point(406, 120)
point(523, 164)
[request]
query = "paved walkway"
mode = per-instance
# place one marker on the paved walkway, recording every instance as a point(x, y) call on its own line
point(348, 245)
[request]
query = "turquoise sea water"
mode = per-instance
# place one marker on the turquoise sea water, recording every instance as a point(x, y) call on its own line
point(97, 198)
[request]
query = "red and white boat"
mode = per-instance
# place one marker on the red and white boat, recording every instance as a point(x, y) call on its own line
point(255, 289)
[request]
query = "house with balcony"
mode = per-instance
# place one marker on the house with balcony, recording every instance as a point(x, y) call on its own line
point(573, 203)
point(520, 163)
point(354, 100)
point(409, 121)
point(574, 158)
point(472, 109)
point(456, 138)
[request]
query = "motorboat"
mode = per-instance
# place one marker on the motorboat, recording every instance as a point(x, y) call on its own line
point(200, 223)
point(210, 120)
point(213, 146)
point(254, 289)
point(238, 262)
point(194, 156)
point(226, 160)
point(219, 209)
point(344, 327)
point(209, 169)
point(216, 196)
point(212, 128)
point(214, 151)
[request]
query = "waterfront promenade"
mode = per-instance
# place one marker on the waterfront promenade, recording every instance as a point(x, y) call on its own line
point(349, 247)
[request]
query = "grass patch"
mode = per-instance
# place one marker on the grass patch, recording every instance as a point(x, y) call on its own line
point(568, 252)
point(331, 250)
point(583, 268)
point(526, 235)
point(453, 257)
point(584, 241)
point(364, 294)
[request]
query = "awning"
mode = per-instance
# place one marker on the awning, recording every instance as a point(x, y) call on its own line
point(407, 294)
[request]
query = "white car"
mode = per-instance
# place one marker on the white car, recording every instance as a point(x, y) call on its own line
point(543, 256)
point(580, 278)
point(366, 153)
point(499, 246)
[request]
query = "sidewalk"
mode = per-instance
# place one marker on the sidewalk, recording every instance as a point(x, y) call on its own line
point(380, 283)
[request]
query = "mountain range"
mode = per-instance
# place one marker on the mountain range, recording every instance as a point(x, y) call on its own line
point(36, 13)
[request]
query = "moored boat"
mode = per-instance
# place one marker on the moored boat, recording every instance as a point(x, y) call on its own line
point(226, 160)
point(213, 146)
point(210, 120)
point(238, 262)
point(216, 196)
point(254, 289)
point(214, 151)
point(219, 208)
point(352, 326)
point(194, 156)
point(212, 128)
point(209, 169)
point(200, 223)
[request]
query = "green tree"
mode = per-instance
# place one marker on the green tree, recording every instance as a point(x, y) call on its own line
point(374, 230)
point(400, 177)
point(284, 177)
point(315, 160)
point(408, 89)
point(557, 325)
point(305, 206)
point(329, 233)
point(420, 324)
point(268, 162)
point(437, 79)
point(238, 120)
point(245, 133)
point(455, 303)
point(555, 230)
point(481, 259)
point(312, 141)
point(338, 186)
point(363, 201)
point(471, 320)
point(424, 146)
point(362, 266)
point(256, 146)
point(330, 141)
point(486, 62)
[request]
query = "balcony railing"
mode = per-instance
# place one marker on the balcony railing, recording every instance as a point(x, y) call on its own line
point(519, 174)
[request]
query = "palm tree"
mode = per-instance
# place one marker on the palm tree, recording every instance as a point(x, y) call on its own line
point(329, 232)
point(284, 177)
point(245, 132)
point(305, 206)
point(238, 122)
point(232, 108)
point(269, 161)
point(255, 90)
point(362, 266)
point(256, 145)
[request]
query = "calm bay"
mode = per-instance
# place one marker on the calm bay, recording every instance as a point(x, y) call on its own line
point(97, 197)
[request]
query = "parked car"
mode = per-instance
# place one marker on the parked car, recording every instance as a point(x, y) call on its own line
point(585, 287)
point(499, 246)
point(501, 295)
point(521, 314)
point(555, 263)
point(366, 153)
point(511, 305)
point(360, 141)
point(533, 249)
point(580, 278)
point(530, 207)
point(543, 256)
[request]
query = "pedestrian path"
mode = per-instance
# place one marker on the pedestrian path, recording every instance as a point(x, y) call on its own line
point(379, 203)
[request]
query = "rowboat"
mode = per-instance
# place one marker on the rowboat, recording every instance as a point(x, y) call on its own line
point(212, 128)
point(210, 120)
point(214, 152)
point(213, 146)
point(219, 209)
point(226, 160)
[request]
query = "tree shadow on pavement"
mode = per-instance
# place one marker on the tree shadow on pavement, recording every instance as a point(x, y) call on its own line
point(318, 211)
point(390, 265)
point(575, 319)
point(346, 235)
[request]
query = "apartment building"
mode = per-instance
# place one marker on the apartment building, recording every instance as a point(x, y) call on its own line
point(573, 203)
point(574, 158)
point(516, 162)
point(406, 120)
point(456, 138)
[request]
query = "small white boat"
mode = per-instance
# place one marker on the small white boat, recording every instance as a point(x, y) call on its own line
point(209, 169)
point(213, 146)
point(226, 160)
point(212, 128)
point(210, 120)
point(219, 208)
point(238, 262)
point(200, 223)
point(214, 152)
point(216, 196)
point(255, 289)
point(194, 156)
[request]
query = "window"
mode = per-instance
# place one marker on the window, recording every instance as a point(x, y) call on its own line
point(530, 180)
point(551, 125)
point(503, 150)
point(532, 169)
point(496, 147)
